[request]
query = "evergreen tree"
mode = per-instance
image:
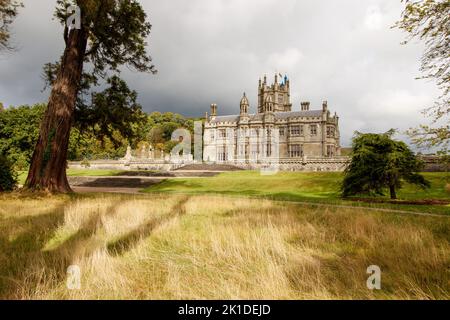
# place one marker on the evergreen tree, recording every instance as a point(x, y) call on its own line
point(113, 33)
point(379, 162)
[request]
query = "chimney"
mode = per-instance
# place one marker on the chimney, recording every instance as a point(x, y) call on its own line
point(213, 110)
point(305, 106)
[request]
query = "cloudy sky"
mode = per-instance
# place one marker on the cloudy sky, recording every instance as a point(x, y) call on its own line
point(213, 50)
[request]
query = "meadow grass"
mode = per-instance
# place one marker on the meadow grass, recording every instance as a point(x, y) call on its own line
point(323, 187)
point(215, 247)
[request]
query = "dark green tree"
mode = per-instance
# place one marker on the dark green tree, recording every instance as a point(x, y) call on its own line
point(379, 162)
point(8, 177)
point(113, 110)
point(113, 33)
point(19, 130)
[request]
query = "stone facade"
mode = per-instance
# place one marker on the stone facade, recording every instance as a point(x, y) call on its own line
point(293, 138)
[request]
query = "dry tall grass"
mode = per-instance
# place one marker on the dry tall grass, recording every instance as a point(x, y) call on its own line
point(202, 247)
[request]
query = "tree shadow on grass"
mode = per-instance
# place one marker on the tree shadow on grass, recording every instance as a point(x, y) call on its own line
point(71, 246)
point(27, 267)
point(25, 264)
point(132, 238)
point(21, 251)
point(172, 184)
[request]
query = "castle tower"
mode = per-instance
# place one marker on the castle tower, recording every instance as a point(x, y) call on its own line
point(279, 93)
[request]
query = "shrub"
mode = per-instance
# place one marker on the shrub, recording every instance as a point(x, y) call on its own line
point(8, 177)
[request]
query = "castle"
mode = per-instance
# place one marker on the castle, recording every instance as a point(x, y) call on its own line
point(274, 130)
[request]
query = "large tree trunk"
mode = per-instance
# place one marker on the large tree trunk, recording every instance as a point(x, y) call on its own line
point(49, 161)
point(392, 192)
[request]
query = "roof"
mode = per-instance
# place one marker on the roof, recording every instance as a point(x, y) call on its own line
point(296, 114)
point(233, 118)
point(278, 115)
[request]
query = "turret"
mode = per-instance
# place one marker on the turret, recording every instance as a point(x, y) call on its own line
point(244, 105)
point(325, 106)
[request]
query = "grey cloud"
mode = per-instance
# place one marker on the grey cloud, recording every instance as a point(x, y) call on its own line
point(213, 50)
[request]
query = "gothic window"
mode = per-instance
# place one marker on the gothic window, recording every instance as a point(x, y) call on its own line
point(313, 128)
point(222, 154)
point(295, 150)
point(222, 133)
point(295, 130)
point(254, 151)
point(212, 135)
point(330, 151)
point(243, 132)
point(330, 132)
point(281, 131)
point(268, 150)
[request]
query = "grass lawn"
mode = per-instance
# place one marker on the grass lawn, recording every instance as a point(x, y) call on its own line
point(176, 246)
point(300, 186)
point(319, 187)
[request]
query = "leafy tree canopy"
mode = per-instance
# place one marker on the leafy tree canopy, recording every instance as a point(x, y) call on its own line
point(379, 162)
point(19, 130)
point(8, 11)
point(429, 20)
point(113, 110)
point(117, 32)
